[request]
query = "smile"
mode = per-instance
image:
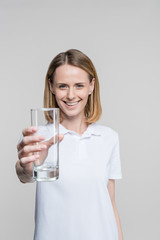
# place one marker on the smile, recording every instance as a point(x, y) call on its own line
point(71, 103)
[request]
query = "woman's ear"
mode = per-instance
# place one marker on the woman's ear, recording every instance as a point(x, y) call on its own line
point(91, 86)
point(51, 86)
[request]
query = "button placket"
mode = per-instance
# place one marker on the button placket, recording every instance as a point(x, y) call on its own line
point(80, 148)
point(75, 149)
point(82, 153)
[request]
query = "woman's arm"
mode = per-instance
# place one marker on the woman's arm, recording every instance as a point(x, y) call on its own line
point(111, 190)
point(24, 176)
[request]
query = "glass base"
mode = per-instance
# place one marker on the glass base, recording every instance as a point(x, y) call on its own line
point(45, 173)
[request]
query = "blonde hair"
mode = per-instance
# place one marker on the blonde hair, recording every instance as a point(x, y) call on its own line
point(76, 58)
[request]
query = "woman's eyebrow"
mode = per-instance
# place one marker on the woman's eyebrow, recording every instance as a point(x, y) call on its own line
point(61, 84)
point(67, 83)
point(80, 83)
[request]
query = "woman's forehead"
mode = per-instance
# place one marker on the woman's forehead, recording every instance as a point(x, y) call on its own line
point(70, 73)
point(68, 70)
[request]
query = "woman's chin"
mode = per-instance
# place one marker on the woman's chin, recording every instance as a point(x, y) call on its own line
point(72, 114)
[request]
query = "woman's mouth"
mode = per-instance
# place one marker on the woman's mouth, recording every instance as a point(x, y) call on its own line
point(71, 104)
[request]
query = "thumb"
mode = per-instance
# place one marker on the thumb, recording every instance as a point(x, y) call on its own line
point(53, 140)
point(60, 137)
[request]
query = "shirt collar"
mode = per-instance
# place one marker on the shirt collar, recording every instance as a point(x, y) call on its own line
point(92, 129)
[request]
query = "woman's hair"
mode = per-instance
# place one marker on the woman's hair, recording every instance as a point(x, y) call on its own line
point(76, 58)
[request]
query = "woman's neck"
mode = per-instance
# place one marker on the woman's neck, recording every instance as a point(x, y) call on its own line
point(77, 125)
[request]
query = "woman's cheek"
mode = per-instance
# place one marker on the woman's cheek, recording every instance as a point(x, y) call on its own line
point(84, 93)
point(60, 94)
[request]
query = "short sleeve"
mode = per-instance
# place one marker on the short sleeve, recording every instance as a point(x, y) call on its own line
point(115, 162)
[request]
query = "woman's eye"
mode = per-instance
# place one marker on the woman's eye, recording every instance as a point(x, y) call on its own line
point(79, 85)
point(62, 86)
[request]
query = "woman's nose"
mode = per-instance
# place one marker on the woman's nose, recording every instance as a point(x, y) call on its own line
point(70, 93)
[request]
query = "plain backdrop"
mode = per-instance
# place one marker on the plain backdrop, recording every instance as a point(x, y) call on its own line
point(122, 38)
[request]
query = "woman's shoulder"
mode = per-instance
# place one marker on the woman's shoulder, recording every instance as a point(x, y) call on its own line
point(105, 130)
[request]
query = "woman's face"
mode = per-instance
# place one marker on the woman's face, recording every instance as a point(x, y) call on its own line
point(71, 87)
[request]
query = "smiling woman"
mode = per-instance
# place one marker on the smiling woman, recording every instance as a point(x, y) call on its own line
point(80, 205)
point(78, 73)
point(71, 95)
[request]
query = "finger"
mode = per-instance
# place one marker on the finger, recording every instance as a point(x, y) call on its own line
point(31, 149)
point(60, 138)
point(29, 130)
point(30, 140)
point(26, 160)
point(54, 140)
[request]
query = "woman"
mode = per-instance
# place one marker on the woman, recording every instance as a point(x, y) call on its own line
point(81, 203)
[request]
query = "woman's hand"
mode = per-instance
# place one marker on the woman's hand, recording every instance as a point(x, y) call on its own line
point(32, 149)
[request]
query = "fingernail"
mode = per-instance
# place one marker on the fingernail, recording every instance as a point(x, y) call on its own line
point(34, 129)
point(41, 137)
point(43, 146)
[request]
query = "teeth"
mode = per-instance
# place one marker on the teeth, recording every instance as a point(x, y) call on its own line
point(71, 104)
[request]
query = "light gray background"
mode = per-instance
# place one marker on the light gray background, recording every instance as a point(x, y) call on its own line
point(122, 39)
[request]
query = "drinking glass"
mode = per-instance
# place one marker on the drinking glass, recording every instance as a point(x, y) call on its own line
point(46, 167)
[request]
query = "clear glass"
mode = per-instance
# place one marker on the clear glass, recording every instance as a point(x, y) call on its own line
point(46, 167)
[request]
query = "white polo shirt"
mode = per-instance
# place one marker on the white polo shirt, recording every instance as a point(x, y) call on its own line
point(77, 206)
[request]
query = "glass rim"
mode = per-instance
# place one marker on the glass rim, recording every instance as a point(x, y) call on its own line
point(44, 109)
